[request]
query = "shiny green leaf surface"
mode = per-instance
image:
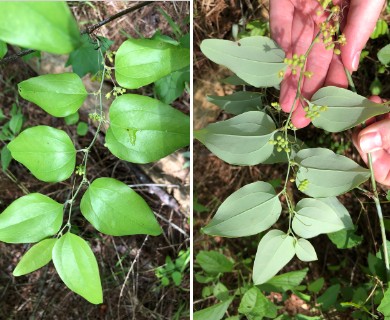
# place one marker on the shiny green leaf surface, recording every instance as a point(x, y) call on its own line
point(327, 173)
point(58, 94)
point(46, 26)
point(144, 130)
point(139, 62)
point(250, 210)
point(30, 218)
point(77, 267)
point(115, 209)
point(346, 109)
point(275, 250)
point(38, 256)
point(319, 216)
point(47, 152)
point(256, 60)
point(242, 140)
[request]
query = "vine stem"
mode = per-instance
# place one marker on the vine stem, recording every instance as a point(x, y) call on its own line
point(375, 192)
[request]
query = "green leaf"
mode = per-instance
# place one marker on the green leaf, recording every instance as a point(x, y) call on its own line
point(316, 285)
point(3, 49)
point(171, 87)
point(72, 119)
point(77, 267)
point(16, 123)
point(275, 250)
point(87, 58)
point(384, 55)
point(242, 140)
point(329, 298)
point(388, 195)
point(45, 26)
point(177, 278)
point(284, 282)
point(38, 256)
point(250, 210)
point(381, 29)
point(255, 304)
point(82, 128)
point(256, 60)
point(384, 307)
point(305, 251)
point(6, 158)
point(139, 62)
point(58, 94)
point(144, 130)
point(115, 209)
point(345, 239)
point(346, 109)
point(215, 312)
point(221, 292)
point(238, 102)
point(47, 152)
point(319, 216)
point(214, 262)
point(235, 81)
point(327, 173)
point(30, 218)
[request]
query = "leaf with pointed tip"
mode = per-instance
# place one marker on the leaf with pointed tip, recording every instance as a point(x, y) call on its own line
point(320, 216)
point(256, 60)
point(275, 250)
point(38, 256)
point(345, 109)
point(115, 209)
point(250, 210)
point(215, 312)
point(242, 140)
point(305, 251)
point(46, 26)
point(238, 102)
point(47, 152)
point(144, 130)
point(30, 218)
point(327, 173)
point(58, 94)
point(77, 267)
point(139, 62)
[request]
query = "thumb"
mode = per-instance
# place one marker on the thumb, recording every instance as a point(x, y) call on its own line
point(361, 21)
point(375, 137)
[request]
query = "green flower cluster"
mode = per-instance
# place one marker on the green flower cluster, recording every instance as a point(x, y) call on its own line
point(303, 185)
point(281, 143)
point(313, 111)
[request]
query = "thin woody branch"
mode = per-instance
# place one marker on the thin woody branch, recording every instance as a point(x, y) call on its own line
point(88, 30)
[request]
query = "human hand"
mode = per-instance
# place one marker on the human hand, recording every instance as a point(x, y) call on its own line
point(375, 139)
point(294, 24)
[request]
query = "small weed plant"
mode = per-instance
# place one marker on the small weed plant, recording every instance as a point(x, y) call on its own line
point(255, 136)
point(141, 129)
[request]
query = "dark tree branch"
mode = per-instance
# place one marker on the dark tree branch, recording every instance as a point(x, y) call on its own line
point(88, 30)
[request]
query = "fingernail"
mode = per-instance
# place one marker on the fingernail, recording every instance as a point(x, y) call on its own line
point(355, 61)
point(370, 142)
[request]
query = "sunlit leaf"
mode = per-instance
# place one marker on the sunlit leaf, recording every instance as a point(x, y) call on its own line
point(143, 129)
point(327, 173)
point(45, 26)
point(318, 216)
point(139, 62)
point(275, 250)
point(345, 109)
point(305, 250)
point(77, 267)
point(30, 218)
point(115, 209)
point(58, 94)
point(285, 281)
point(242, 140)
point(250, 210)
point(47, 152)
point(256, 60)
point(38, 256)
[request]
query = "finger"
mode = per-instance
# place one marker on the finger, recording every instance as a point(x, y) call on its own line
point(298, 117)
point(288, 91)
point(381, 165)
point(362, 17)
point(281, 19)
point(336, 73)
point(375, 137)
